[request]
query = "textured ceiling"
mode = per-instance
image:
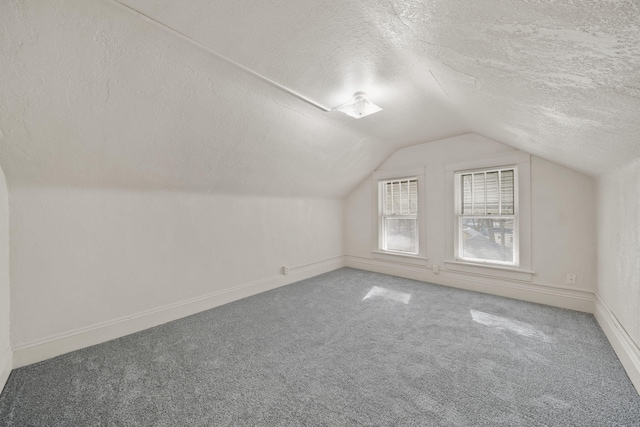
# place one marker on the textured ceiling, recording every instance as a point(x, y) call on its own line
point(96, 95)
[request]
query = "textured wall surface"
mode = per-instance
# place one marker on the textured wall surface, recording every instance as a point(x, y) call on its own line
point(558, 79)
point(563, 216)
point(619, 245)
point(80, 257)
point(4, 281)
point(96, 95)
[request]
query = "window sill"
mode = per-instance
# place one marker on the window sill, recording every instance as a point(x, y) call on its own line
point(512, 273)
point(400, 258)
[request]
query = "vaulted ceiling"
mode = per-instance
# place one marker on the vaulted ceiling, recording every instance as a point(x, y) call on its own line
point(135, 94)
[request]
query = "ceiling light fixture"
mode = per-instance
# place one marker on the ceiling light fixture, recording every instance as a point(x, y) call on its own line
point(358, 106)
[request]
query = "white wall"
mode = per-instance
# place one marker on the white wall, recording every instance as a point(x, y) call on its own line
point(5, 347)
point(619, 246)
point(562, 210)
point(86, 259)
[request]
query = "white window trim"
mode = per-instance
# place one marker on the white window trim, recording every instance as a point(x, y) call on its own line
point(522, 162)
point(457, 209)
point(388, 175)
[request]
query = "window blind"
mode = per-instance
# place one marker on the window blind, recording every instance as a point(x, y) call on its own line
point(488, 193)
point(401, 197)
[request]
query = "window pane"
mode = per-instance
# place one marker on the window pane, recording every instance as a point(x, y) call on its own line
point(400, 197)
point(507, 191)
point(478, 193)
point(493, 193)
point(401, 234)
point(487, 239)
point(466, 194)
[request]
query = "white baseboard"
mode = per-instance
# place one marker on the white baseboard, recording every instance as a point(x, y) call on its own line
point(627, 350)
point(52, 346)
point(572, 299)
point(6, 364)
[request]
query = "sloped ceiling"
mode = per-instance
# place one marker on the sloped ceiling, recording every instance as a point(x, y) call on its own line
point(95, 94)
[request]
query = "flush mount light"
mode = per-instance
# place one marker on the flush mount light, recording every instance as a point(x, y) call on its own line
point(358, 106)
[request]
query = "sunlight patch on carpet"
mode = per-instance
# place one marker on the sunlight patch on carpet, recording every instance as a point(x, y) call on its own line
point(377, 291)
point(505, 324)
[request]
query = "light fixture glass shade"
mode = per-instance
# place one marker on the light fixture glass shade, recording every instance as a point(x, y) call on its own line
point(358, 106)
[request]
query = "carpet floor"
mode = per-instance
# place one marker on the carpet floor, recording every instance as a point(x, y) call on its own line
point(345, 348)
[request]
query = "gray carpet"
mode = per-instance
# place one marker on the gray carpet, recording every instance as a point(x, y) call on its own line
point(346, 348)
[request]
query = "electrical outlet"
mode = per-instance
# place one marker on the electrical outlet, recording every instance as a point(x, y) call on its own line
point(571, 279)
point(285, 270)
point(435, 268)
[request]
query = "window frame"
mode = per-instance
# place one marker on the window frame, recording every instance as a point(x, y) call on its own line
point(523, 270)
point(377, 250)
point(382, 217)
point(458, 250)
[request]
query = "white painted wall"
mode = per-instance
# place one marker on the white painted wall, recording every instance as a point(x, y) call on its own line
point(619, 246)
point(81, 257)
point(562, 200)
point(5, 347)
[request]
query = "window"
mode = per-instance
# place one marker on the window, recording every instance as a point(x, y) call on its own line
point(487, 216)
point(398, 211)
point(398, 216)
